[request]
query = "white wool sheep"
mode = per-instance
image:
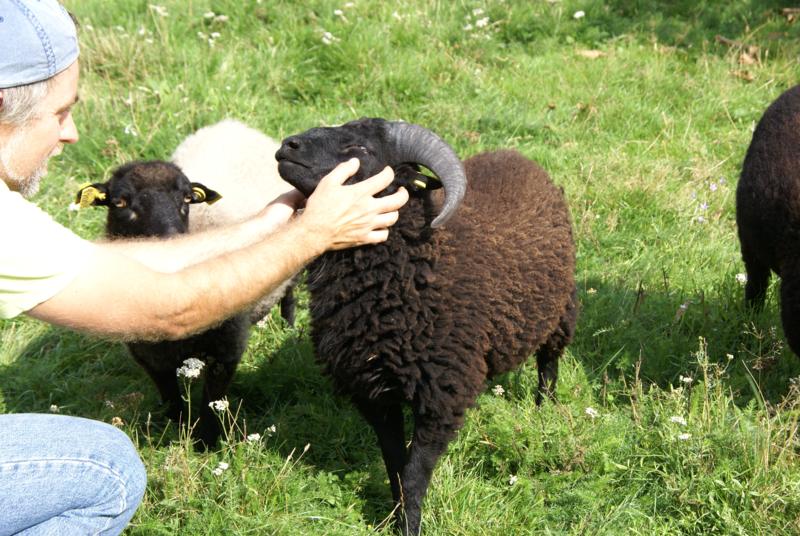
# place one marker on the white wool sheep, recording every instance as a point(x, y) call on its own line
point(237, 161)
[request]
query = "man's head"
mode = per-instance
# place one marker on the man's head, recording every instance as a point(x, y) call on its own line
point(38, 86)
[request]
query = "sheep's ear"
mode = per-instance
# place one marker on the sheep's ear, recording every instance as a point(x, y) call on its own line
point(92, 195)
point(201, 194)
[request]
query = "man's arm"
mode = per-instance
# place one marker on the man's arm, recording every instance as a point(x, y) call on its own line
point(178, 252)
point(120, 297)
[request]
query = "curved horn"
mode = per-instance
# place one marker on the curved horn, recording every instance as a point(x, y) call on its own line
point(418, 145)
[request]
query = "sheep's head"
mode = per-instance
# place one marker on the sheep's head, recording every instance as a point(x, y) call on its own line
point(146, 199)
point(305, 158)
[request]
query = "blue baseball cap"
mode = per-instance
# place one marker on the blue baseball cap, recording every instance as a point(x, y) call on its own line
point(38, 40)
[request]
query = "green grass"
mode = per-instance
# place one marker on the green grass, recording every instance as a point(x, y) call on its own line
point(636, 136)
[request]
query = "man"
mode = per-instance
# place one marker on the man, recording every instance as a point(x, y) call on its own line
point(66, 475)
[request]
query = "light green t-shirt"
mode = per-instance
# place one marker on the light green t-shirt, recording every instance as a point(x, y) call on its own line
point(38, 256)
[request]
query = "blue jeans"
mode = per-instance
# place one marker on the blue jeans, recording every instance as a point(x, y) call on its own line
point(66, 476)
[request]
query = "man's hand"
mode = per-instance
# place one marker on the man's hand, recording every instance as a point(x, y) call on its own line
point(345, 216)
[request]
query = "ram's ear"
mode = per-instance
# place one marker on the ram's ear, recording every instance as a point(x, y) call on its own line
point(201, 194)
point(92, 195)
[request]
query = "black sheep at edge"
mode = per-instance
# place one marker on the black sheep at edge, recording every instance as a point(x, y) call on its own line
point(151, 199)
point(425, 318)
point(768, 210)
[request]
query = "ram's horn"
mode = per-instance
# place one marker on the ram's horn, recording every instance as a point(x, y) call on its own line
point(418, 145)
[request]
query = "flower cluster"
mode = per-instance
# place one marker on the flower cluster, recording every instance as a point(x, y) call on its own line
point(498, 390)
point(191, 368)
point(477, 21)
point(219, 405)
point(220, 468)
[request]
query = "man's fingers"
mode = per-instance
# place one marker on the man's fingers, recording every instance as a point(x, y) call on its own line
point(343, 171)
point(392, 202)
point(377, 183)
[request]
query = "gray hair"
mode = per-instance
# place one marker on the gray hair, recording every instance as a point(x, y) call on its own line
point(21, 104)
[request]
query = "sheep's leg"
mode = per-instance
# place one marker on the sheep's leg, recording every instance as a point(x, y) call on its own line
point(167, 384)
point(431, 437)
point(288, 306)
point(755, 291)
point(218, 379)
point(790, 306)
point(550, 352)
point(387, 421)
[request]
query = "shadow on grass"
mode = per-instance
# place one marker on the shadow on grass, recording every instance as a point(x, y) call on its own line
point(666, 333)
point(620, 325)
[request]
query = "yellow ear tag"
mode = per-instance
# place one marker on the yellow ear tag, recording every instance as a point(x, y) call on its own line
point(199, 194)
point(89, 194)
point(419, 184)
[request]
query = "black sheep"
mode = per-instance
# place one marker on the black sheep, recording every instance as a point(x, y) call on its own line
point(768, 210)
point(151, 199)
point(428, 316)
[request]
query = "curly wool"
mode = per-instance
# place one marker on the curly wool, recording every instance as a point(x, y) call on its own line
point(427, 317)
point(768, 210)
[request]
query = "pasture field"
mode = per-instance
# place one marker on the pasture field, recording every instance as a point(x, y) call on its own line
point(678, 409)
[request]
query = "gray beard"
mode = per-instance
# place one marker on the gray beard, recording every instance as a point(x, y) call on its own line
point(26, 186)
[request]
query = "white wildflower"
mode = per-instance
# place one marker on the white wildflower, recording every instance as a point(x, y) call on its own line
point(578, 15)
point(701, 219)
point(219, 405)
point(348, 5)
point(328, 38)
point(684, 436)
point(271, 430)
point(591, 412)
point(215, 35)
point(220, 468)
point(677, 419)
point(591, 291)
point(477, 12)
point(221, 18)
point(191, 368)
point(209, 15)
point(498, 390)
point(130, 130)
point(253, 438)
point(161, 11)
point(741, 278)
point(713, 187)
point(685, 379)
point(512, 480)
point(73, 207)
point(468, 28)
point(729, 356)
point(54, 409)
point(338, 12)
point(482, 23)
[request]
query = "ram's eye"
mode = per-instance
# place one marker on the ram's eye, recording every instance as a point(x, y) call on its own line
point(187, 199)
point(355, 149)
point(120, 203)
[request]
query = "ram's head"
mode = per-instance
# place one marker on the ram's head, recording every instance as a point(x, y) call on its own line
point(305, 158)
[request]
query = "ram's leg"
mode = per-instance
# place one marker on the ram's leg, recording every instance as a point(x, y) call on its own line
point(755, 290)
point(431, 437)
point(549, 353)
point(387, 421)
point(218, 379)
point(288, 306)
point(790, 306)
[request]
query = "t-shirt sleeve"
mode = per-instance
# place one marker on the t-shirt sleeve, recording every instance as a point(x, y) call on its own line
point(38, 256)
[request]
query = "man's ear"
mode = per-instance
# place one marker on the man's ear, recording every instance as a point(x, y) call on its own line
point(203, 194)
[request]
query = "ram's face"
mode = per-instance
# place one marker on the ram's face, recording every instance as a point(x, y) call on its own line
point(305, 158)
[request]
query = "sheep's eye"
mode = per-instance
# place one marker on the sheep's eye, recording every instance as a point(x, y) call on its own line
point(120, 203)
point(187, 199)
point(355, 149)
